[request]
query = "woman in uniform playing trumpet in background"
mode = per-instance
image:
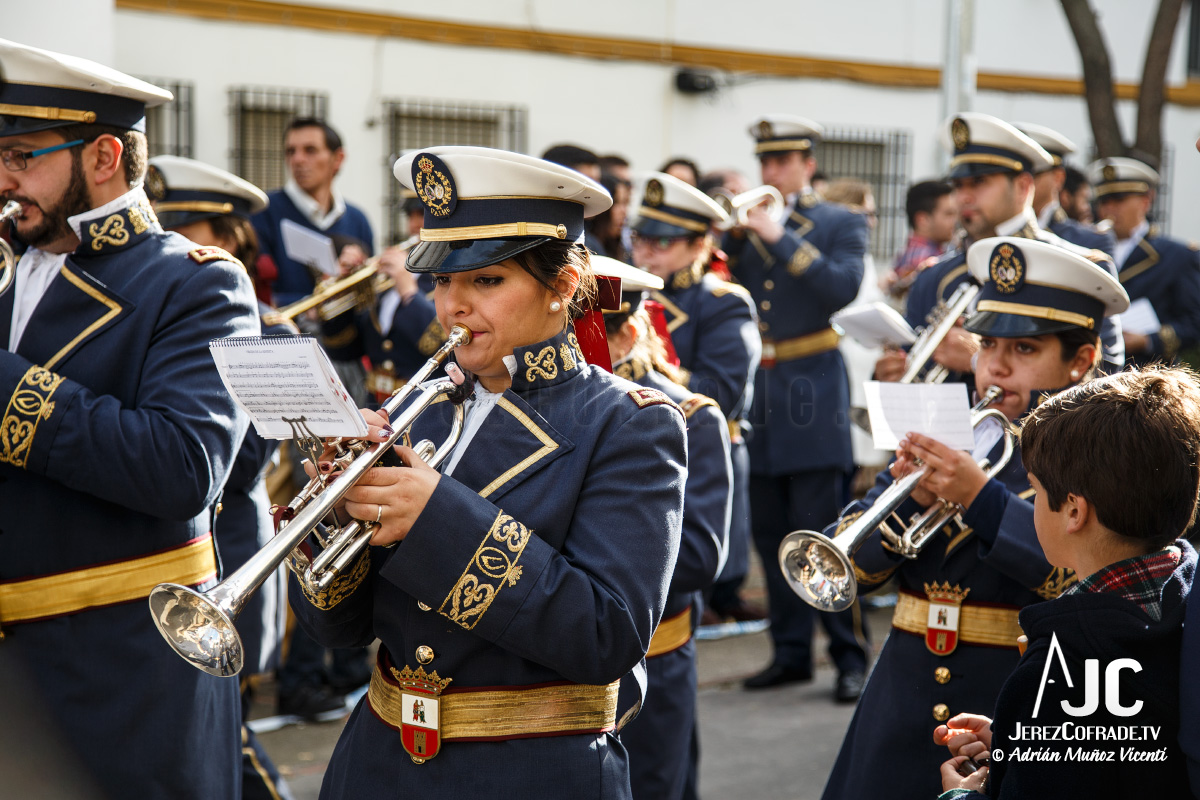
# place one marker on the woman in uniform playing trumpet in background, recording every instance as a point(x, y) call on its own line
point(522, 582)
point(954, 637)
point(662, 743)
point(212, 207)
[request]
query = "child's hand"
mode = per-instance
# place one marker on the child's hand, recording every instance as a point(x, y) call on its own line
point(970, 727)
point(951, 779)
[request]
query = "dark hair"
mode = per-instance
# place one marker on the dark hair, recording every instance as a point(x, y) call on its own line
point(1129, 444)
point(612, 160)
point(332, 140)
point(548, 260)
point(1074, 180)
point(683, 162)
point(652, 343)
point(923, 198)
point(1075, 338)
point(239, 231)
point(135, 153)
point(570, 155)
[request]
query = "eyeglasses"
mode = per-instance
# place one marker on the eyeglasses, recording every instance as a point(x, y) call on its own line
point(15, 160)
point(657, 242)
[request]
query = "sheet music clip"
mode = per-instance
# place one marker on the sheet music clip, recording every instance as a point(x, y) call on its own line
point(308, 442)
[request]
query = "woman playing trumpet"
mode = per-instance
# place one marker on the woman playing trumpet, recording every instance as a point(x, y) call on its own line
point(954, 637)
point(527, 577)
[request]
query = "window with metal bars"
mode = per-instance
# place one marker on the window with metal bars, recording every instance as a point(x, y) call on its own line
point(258, 118)
point(170, 127)
point(413, 124)
point(880, 159)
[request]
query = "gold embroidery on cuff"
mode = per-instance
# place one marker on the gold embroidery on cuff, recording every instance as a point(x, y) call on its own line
point(28, 406)
point(487, 573)
point(802, 259)
point(342, 587)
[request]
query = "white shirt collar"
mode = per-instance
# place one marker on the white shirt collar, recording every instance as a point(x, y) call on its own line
point(1011, 227)
point(311, 209)
point(131, 198)
point(1047, 212)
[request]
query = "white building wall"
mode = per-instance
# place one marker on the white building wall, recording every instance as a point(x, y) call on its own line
point(632, 107)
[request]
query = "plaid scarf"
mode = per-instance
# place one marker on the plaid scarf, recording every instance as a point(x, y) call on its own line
point(1139, 579)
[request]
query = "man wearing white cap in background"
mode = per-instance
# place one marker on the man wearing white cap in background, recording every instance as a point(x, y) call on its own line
point(1048, 185)
point(992, 170)
point(1156, 270)
point(799, 269)
point(212, 207)
point(120, 432)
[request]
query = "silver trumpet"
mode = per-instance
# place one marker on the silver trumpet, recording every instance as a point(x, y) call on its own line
point(939, 323)
point(200, 625)
point(8, 260)
point(820, 569)
point(738, 206)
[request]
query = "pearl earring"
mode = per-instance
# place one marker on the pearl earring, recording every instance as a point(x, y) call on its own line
point(1075, 375)
point(556, 306)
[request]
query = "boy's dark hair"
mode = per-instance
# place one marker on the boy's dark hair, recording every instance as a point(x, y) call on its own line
point(1074, 179)
point(607, 163)
point(332, 140)
point(923, 197)
point(1129, 444)
point(682, 162)
point(569, 155)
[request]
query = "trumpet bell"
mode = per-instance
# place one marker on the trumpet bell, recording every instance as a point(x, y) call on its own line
point(817, 570)
point(198, 629)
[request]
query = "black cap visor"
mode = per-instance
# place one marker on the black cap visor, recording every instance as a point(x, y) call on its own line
point(1013, 326)
point(435, 257)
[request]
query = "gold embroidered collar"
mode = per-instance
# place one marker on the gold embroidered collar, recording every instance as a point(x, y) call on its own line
point(547, 363)
point(633, 369)
point(686, 277)
point(120, 228)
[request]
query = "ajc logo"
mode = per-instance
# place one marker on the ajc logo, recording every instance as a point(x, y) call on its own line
point(1091, 684)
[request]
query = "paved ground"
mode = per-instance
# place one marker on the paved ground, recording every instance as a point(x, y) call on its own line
point(775, 744)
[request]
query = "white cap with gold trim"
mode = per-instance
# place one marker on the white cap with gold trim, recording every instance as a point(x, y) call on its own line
point(1117, 175)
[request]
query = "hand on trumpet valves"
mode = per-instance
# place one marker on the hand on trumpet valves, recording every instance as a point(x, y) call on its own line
point(392, 263)
point(350, 259)
point(891, 365)
point(958, 349)
point(393, 497)
point(954, 476)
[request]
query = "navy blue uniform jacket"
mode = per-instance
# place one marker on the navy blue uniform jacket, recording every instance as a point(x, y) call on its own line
point(575, 480)
point(888, 750)
point(659, 739)
point(1104, 627)
point(800, 415)
point(116, 448)
point(1167, 272)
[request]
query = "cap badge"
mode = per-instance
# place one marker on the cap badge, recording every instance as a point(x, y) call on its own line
point(156, 184)
point(653, 196)
point(765, 130)
point(1007, 269)
point(434, 185)
point(1110, 173)
point(960, 133)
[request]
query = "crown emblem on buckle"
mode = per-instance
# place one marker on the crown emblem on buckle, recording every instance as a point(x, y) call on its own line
point(945, 609)
point(420, 708)
point(946, 593)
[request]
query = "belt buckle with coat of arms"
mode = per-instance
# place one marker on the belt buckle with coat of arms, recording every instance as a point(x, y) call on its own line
point(420, 727)
point(945, 609)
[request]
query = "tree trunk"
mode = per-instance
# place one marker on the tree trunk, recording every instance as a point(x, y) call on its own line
point(1152, 95)
point(1097, 76)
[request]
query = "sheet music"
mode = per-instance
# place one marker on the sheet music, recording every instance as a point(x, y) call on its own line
point(1140, 318)
point(309, 247)
point(875, 325)
point(284, 382)
point(940, 411)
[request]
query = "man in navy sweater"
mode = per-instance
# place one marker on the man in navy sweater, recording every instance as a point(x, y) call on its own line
point(314, 157)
